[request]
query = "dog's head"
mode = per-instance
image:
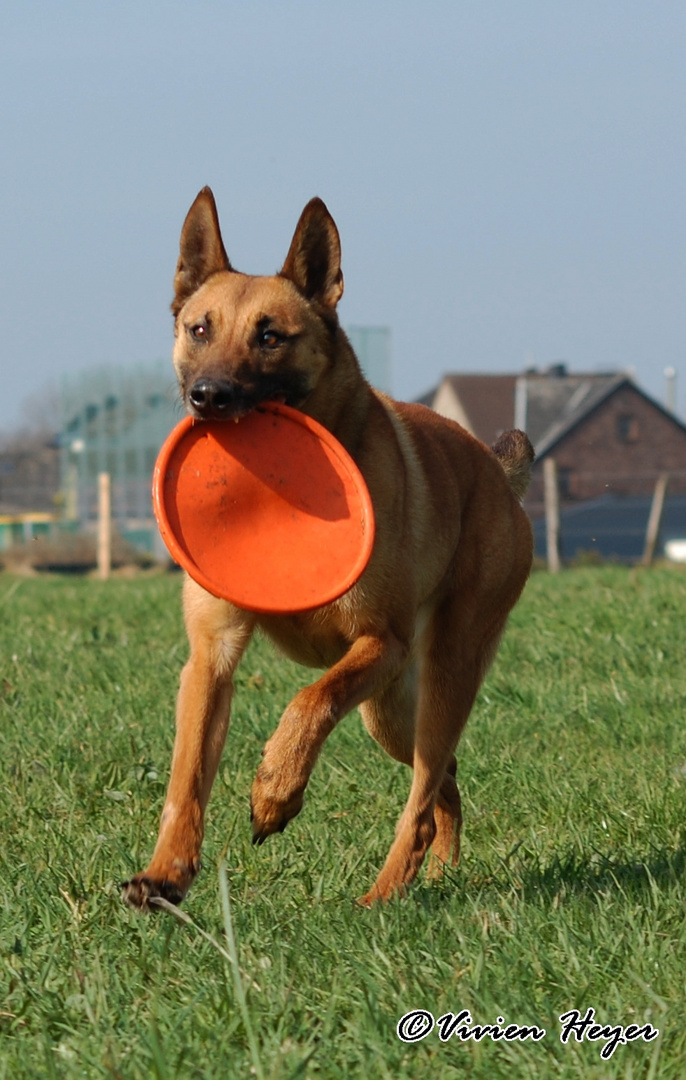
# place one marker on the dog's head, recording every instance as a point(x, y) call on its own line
point(242, 340)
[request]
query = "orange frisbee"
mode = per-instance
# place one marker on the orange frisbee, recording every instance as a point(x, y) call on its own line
point(270, 513)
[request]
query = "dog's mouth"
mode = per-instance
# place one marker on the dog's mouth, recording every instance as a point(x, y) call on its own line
point(219, 399)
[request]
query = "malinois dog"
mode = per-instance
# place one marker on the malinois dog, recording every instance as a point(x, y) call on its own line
point(411, 642)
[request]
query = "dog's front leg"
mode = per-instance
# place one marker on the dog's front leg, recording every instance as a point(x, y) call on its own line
point(290, 754)
point(218, 634)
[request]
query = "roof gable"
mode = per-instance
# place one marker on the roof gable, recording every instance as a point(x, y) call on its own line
point(547, 405)
point(575, 416)
point(487, 402)
point(558, 401)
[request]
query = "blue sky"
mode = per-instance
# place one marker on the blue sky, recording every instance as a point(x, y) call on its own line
point(508, 178)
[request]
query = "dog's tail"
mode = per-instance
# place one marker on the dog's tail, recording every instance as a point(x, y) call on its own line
point(516, 455)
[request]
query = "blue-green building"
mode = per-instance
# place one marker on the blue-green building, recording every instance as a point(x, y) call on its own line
point(115, 419)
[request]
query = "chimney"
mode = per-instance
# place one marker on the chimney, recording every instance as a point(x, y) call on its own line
point(670, 389)
point(558, 370)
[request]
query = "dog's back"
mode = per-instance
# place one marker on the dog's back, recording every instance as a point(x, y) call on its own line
point(457, 483)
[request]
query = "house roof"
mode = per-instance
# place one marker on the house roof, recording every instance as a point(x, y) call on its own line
point(595, 397)
point(555, 403)
point(546, 404)
point(488, 402)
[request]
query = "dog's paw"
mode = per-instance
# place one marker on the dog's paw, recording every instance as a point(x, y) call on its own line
point(141, 890)
point(382, 891)
point(269, 812)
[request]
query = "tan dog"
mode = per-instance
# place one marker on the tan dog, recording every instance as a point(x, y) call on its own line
point(411, 641)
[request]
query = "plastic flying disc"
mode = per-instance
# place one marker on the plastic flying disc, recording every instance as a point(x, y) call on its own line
point(270, 513)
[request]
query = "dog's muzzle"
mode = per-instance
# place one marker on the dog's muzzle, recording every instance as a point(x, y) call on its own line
point(215, 399)
point(221, 399)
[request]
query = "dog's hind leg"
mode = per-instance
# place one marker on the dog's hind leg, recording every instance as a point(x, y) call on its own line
point(458, 651)
point(218, 634)
point(390, 719)
point(448, 817)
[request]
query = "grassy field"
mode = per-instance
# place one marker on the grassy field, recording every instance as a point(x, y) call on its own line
point(569, 895)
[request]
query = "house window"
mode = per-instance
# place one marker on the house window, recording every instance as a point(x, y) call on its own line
point(627, 428)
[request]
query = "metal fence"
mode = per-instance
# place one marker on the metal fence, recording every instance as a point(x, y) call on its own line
point(613, 527)
point(114, 420)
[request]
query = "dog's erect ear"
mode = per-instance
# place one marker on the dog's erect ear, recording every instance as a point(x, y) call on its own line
point(202, 250)
point(313, 262)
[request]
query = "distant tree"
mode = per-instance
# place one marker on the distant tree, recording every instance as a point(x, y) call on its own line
point(29, 459)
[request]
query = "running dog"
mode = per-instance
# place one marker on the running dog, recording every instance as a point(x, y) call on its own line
point(411, 642)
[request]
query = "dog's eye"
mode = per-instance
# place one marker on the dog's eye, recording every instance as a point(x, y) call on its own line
point(269, 339)
point(199, 332)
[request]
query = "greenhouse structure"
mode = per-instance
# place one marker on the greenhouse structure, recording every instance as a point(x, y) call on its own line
point(115, 419)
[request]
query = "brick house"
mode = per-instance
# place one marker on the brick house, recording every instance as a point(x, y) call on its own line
point(617, 443)
point(607, 435)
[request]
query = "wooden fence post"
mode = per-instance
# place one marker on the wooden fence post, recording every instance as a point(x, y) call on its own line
point(104, 526)
point(552, 514)
point(656, 508)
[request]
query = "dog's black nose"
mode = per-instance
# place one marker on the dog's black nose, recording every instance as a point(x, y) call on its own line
point(212, 398)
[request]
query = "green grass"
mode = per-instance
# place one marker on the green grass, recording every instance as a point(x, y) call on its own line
point(570, 892)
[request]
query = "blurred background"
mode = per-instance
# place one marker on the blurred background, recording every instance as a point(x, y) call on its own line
point(507, 180)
